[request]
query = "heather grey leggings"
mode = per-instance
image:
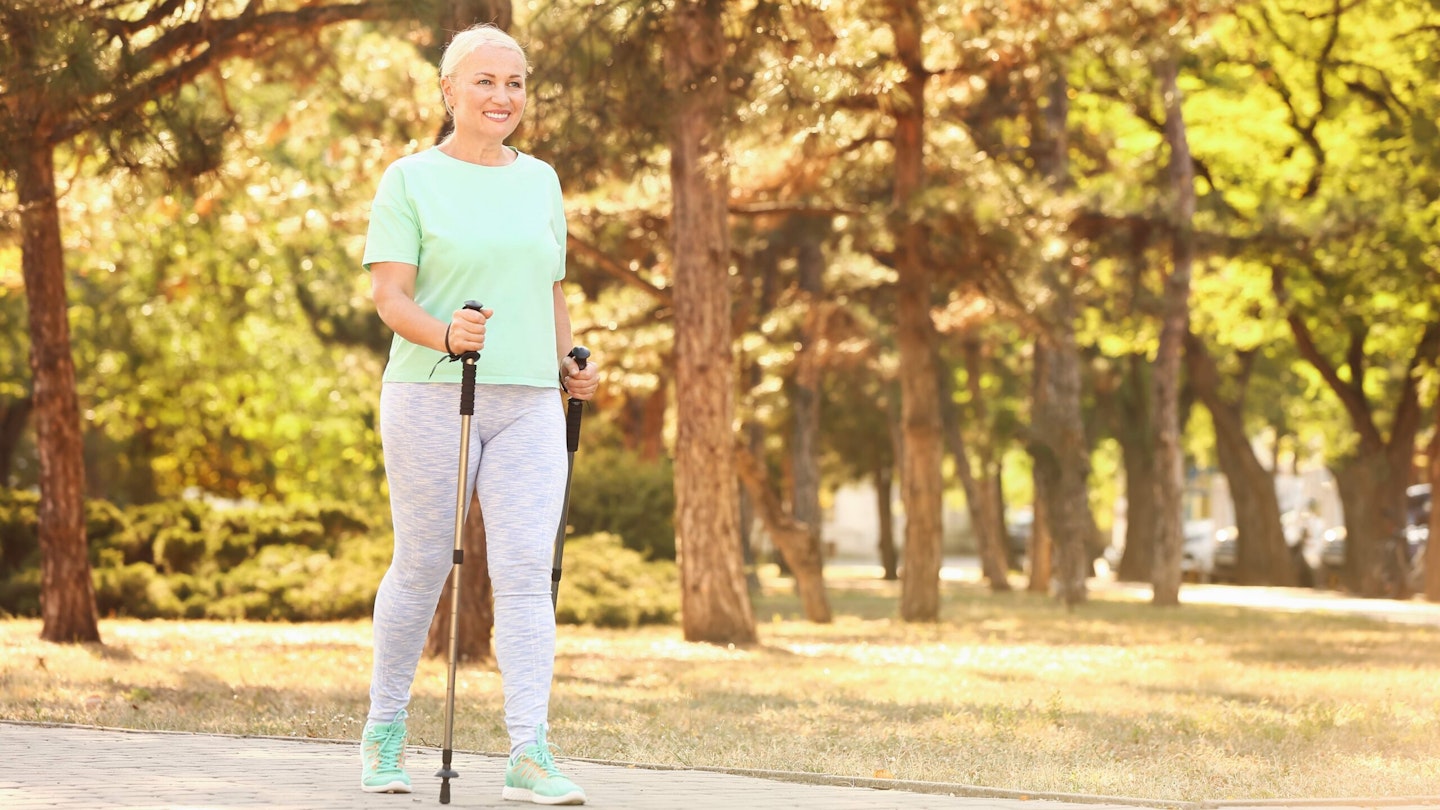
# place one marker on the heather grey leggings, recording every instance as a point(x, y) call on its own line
point(517, 459)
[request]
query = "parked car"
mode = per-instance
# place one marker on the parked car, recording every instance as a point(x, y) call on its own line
point(1227, 555)
point(1416, 534)
point(1332, 557)
point(1018, 528)
point(1197, 554)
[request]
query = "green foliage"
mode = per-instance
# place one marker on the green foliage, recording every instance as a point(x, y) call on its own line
point(312, 562)
point(19, 542)
point(187, 559)
point(617, 492)
point(609, 585)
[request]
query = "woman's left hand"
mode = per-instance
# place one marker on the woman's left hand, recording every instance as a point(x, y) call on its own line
point(580, 383)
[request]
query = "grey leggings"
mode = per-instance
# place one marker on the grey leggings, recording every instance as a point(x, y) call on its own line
point(517, 459)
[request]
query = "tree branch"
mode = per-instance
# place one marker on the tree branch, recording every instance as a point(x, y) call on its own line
point(1408, 412)
point(1355, 403)
point(614, 269)
point(224, 38)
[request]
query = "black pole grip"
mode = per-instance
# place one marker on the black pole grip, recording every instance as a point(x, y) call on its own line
point(576, 409)
point(467, 373)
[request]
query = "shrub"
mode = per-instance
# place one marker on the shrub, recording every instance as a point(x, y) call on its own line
point(19, 538)
point(179, 550)
point(125, 591)
point(617, 492)
point(608, 585)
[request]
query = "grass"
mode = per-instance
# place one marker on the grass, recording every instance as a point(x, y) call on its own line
point(1010, 691)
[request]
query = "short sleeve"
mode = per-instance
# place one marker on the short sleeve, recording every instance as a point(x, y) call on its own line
point(394, 232)
point(557, 224)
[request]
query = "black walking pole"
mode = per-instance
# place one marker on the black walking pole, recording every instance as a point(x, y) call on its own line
point(467, 409)
point(573, 415)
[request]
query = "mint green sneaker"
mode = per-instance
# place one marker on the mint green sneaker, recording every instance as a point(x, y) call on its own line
point(382, 757)
point(533, 777)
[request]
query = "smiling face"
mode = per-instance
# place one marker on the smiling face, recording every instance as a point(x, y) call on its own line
point(486, 92)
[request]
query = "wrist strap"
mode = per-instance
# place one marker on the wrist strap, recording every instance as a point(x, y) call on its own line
point(448, 352)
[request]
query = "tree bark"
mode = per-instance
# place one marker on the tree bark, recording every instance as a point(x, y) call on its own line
point(1136, 435)
point(714, 603)
point(477, 610)
point(981, 496)
point(1372, 492)
point(805, 398)
point(1263, 557)
point(1057, 442)
point(1041, 549)
point(922, 445)
point(792, 538)
point(67, 595)
point(1175, 325)
point(1432, 545)
point(1061, 455)
point(889, 556)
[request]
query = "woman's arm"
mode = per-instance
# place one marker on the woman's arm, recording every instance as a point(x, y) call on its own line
point(392, 286)
point(580, 383)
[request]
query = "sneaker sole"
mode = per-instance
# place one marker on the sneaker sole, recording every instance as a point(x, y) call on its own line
point(394, 787)
point(516, 794)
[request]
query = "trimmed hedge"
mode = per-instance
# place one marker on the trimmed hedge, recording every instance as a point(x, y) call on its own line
point(187, 560)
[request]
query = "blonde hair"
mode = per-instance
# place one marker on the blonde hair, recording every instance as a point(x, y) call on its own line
point(466, 42)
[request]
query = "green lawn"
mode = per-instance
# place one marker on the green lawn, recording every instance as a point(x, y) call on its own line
point(1009, 691)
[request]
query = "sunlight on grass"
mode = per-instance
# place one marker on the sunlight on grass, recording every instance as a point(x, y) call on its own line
point(1009, 691)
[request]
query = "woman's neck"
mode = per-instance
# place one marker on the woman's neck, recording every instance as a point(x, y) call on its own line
point(483, 153)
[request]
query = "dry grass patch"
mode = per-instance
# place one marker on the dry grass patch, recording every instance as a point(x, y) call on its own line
point(1009, 691)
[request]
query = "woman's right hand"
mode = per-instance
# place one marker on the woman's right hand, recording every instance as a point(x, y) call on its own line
point(467, 330)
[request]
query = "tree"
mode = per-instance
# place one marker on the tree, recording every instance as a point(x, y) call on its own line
point(1057, 434)
point(1348, 237)
point(714, 603)
point(1175, 325)
point(85, 75)
point(921, 449)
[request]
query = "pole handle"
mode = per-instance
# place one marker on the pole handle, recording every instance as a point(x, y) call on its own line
point(467, 373)
point(576, 408)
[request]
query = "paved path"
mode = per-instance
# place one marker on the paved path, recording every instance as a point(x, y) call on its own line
point(98, 769)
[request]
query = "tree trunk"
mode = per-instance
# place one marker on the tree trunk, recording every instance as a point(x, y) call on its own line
point(922, 445)
point(1041, 549)
point(889, 556)
point(1057, 437)
point(1175, 325)
point(792, 538)
point(980, 493)
point(1136, 435)
point(67, 595)
point(1432, 546)
point(987, 480)
point(1060, 452)
point(805, 400)
point(1263, 557)
point(1372, 491)
point(477, 608)
point(714, 603)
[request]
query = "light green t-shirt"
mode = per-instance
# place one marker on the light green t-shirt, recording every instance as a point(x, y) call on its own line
point(492, 234)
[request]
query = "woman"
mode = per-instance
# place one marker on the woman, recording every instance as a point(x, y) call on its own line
point(475, 219)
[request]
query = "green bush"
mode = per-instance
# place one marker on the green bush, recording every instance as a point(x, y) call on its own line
point(126, 591)
point(20, 592)
point(179, 550)
point(19, 539)
point(608, 585)
point(617, 492)
point(236, 563)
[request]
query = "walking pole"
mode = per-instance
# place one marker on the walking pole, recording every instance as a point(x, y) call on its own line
point(467, 409)
point(572, 441)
